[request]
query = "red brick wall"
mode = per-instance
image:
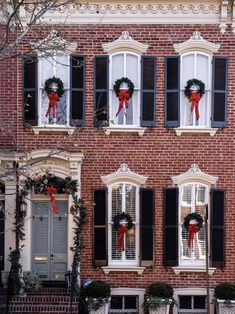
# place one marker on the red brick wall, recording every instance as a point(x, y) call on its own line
point(159, 154)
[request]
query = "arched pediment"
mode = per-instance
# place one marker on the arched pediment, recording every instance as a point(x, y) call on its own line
point(194, 174)
point(124, 174)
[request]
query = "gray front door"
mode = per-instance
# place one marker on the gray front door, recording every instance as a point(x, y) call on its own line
point(49, 240)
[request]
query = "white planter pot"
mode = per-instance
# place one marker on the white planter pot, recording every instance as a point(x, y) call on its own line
point(5, 275)
point(223, 308)
point(162, 309)
point(103, 310)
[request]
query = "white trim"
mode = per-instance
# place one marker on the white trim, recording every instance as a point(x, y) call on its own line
point(131, 291)
point(194, 174)
point(48, 128)
point(183, 130)
point(124, 174)
point(224, 16)
point(109, 269)
point(191, 291)
point(125, 129)
point(196, 42)
point(125, 42)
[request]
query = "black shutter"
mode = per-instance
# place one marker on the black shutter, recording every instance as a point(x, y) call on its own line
point(219, 92)
point(148, 92)
point(100, 221)
point(30, 97)
point(2, 230)
point(77, 90)
point(101, 78)
point(217, 228)
point(172, 91)
point(147, 205)
point(170, 231)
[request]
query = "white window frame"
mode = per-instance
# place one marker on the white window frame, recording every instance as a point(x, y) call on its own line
point(184, 261)
point(114, 107)
point(40, 90)
point(207, 88)
point(130, 292)
point(123, 262)
point(192, 292)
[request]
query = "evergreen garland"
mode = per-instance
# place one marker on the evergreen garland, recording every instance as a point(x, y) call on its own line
point(122, 216)
point(193, 216)
point(13, 278)
point(39, 185)
point(56, 80)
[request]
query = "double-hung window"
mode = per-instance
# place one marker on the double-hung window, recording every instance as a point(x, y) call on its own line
point(126, 59)
point(70, 69)
point(124, 193)
point(193, 194)
point(196, 61)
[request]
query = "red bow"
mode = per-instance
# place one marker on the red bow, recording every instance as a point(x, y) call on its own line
point(194, 99)
point(53, 103)
point(51, 191)
point(120, 241)
point(123, 97)
point(192, 229)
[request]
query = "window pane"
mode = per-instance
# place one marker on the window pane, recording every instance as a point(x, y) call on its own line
point(30, 105)
point(116, 302)
point(47, 69)
point(202, 69)
point(220, 79)
point(30, 73)
point(132, 69)
point(117, 68)
point(199, 302)
point(187, 194)
point(131, 200)
point(187, 69)
point(185, 302)
point(219, 106)
point(77, 72)
point(101, 73)
point(148, 104)
point(130, 302)
point(62, 69)
point(77, 105)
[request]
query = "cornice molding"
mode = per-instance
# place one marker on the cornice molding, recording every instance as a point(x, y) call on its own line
point(196, 42)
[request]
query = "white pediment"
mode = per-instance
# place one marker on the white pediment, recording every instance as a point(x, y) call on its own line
point(196, 42)
point(125, 42)
point(194, 174)
point(124, 174)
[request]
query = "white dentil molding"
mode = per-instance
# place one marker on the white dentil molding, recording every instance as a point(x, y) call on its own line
point(125, 42)
point(194, 174)
point(124, 174)
point(196, 42)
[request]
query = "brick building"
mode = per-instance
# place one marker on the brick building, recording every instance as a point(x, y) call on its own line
point(155, 160)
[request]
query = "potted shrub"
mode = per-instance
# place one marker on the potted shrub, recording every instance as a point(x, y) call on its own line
point(158, 298)
point(225, 298)
point(97, 297)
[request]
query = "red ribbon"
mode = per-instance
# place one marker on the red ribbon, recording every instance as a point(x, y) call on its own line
point(192, 229)
point(123, 97)
point(194, 99)
point(51, 191)
point(53, 103)
point(120, 241)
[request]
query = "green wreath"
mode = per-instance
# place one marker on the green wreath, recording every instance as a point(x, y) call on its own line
point(119, 82)
point(122, 216)
point(190, 83)
point(51, 80)
point(193, 216)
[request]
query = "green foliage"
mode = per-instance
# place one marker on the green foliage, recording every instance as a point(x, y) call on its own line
point(95, 304)
point(122, 216)
point(225, 291)
point(193, 216)
point(32, 281)
point(119, 82)
point(13, 279)
point(190, 83)
point(51, 80)
point(151, 302)
point(98, 289)
point(160, 290)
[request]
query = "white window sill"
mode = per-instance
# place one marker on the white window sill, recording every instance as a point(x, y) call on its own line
point(53, 128)
point(126, 129)
point(108, 269)
point(185, 269)
point(181, 130)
